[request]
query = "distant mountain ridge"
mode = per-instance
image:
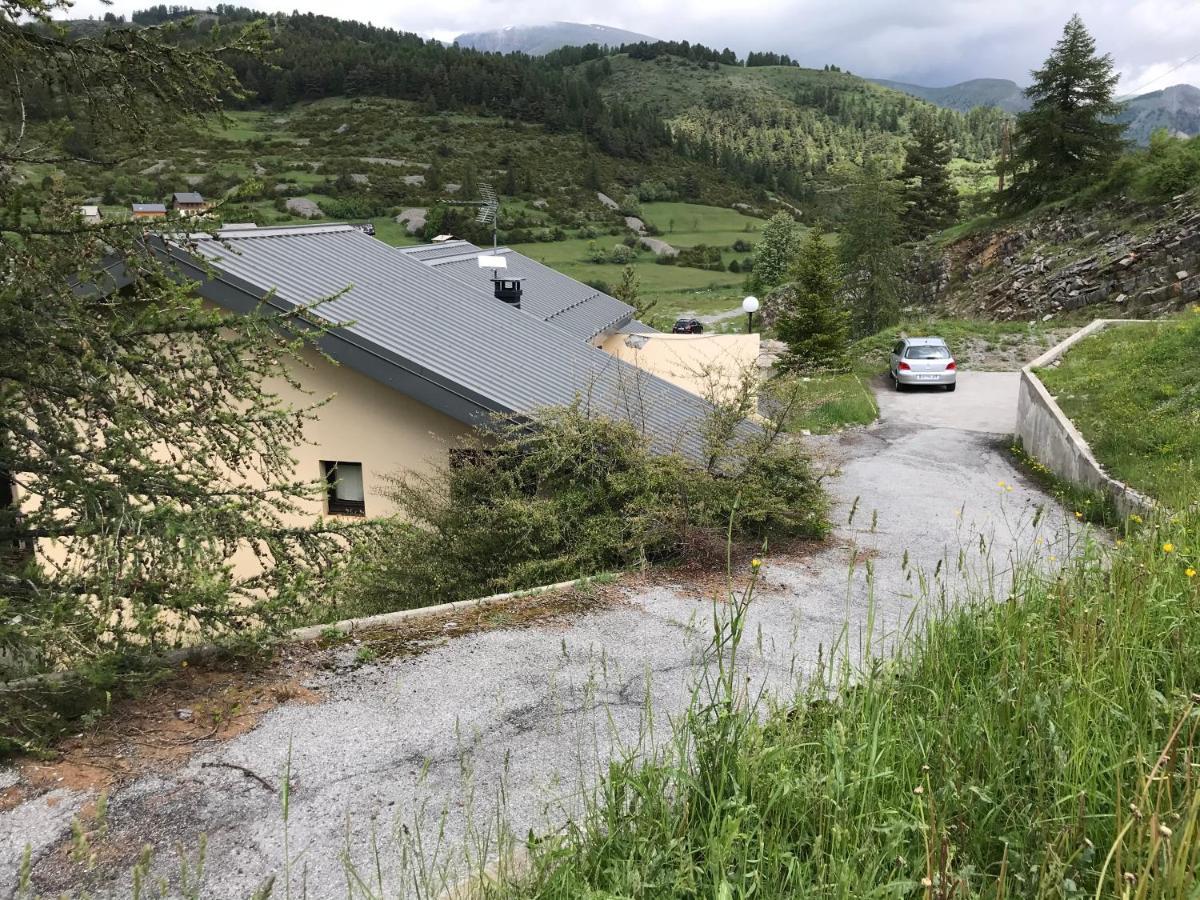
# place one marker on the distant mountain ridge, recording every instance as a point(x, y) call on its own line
point(538, 40)
point(1001, 93)
point(1175, 108)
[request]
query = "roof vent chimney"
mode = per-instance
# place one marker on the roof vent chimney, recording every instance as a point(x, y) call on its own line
point(508, 290)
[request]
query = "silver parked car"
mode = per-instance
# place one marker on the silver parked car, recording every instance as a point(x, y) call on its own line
point(923, 360)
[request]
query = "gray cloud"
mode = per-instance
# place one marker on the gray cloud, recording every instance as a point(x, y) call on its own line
point(928, 41)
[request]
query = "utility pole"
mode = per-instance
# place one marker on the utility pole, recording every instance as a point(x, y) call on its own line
point(1004, 151)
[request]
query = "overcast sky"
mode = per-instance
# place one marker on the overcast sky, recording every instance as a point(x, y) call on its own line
point(933, 42)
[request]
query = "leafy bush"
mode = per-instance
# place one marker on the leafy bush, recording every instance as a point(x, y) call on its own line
point(354, 206)
point(574, 496)
point(1168, 166)
point(1171, 166)
point(701, 256)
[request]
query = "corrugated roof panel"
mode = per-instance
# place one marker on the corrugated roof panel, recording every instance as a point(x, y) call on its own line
point(575, 307)
point(454, 329)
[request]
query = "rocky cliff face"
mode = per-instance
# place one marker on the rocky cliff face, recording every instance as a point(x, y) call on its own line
point(1142, 260)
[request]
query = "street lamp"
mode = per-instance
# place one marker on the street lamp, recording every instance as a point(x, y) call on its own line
point(750, 305)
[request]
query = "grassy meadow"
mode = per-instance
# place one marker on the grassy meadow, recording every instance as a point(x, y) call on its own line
point(676, 289)
point(1134, 393)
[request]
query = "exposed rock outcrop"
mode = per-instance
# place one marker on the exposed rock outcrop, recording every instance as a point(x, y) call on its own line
point(1146, 259)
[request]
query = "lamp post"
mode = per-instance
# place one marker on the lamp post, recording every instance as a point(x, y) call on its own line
point(750, 305)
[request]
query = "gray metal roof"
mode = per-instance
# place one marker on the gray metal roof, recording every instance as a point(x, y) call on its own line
point(187, 197)
point(550, 295)
point(149, 207)
point(448, 343)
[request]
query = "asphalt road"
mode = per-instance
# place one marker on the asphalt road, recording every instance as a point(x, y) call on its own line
point(416, 750)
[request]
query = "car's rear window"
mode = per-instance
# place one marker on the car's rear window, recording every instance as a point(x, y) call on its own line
point(927, 351)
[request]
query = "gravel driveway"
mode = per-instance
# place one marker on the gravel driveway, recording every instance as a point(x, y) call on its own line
point(419, 747)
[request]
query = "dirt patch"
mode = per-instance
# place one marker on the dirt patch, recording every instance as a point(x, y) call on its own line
point(540, 610)
point(1006, 353)
point(197, 707)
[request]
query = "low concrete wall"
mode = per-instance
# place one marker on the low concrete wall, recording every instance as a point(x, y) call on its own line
point(1053, 440)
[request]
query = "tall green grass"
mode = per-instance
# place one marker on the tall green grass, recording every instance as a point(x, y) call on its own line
point(830, 402)
point(1134, 393)
point(1037, 744)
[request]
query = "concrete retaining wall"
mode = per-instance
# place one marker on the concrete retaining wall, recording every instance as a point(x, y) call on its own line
point(1053, 440)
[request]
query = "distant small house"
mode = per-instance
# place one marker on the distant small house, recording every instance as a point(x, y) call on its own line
point(149, 211)
point(188, 203)
point(90, 215)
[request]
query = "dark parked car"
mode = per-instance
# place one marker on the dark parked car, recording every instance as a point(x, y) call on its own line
point(687, 326)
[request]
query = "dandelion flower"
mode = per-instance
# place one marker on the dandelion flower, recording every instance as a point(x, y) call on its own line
point(1189, 572)
point(919, 789)
point(1168, 547)
point(1078, 514)
point(755, 563)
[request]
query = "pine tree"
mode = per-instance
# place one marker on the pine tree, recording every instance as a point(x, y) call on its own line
point(470, 185)
point(775, 253)
point(930, 197)
point(630, 291)
point(812, 320)
point(1066, 137)
point(433, 175)
point(145, 422)
point(591, 174)
point(871, 256)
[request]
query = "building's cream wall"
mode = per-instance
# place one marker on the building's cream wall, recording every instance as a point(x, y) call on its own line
point(363, 422)
point(368, 423)
point(708, 365)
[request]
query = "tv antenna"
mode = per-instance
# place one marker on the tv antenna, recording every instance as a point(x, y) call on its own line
point(488, 206)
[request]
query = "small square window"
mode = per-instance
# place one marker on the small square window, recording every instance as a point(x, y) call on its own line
point(344, 494)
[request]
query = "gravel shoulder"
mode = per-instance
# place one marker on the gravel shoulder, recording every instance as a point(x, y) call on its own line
point(418, 747)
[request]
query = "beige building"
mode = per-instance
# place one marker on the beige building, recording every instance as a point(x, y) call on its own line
point(713, 366)
point(431, 345)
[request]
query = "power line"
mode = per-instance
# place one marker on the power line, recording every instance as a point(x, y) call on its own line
point(1133, 92)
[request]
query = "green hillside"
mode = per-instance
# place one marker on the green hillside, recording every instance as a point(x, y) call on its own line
point(783, 125)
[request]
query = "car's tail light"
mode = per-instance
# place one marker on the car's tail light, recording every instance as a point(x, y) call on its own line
point(951, 366)
point(904, 367)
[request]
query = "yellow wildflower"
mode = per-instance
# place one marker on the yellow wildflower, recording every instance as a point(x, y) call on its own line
point(1168, 547)
point(1136, 518)
point(755, 563)
point(1190, 572)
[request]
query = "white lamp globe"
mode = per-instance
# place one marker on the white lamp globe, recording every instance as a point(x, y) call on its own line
point(750, 304)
